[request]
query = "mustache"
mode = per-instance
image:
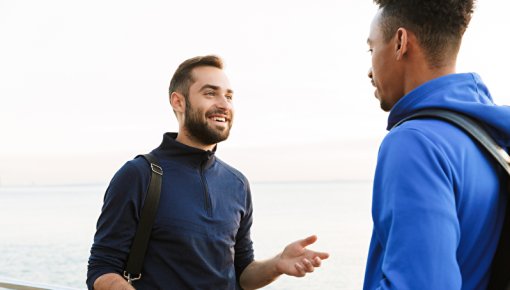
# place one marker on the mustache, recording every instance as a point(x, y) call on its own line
point(224, 112)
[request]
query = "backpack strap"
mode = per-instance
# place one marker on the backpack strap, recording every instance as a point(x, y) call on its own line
point(500, 268)
point(148, 215)
point(471, 127)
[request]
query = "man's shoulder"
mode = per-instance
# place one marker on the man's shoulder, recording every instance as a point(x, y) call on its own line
point(430, 139)
point(236, 173)
point(134, 169)
point(138, 164)
point(432, 129)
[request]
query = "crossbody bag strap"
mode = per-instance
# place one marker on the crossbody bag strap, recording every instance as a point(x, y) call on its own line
point(499, 279)
point(143, 231)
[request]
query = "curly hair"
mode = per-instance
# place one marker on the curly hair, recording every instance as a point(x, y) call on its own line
point(437, 24)
point(183, 79)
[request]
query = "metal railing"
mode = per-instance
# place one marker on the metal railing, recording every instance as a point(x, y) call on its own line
point(8, 283)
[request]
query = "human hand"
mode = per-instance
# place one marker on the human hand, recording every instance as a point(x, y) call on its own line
point(297, 260)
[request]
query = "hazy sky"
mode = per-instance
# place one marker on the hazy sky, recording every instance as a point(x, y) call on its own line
point(83, 84)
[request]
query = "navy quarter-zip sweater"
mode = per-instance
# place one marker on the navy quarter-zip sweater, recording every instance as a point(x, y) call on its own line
point(201, 235)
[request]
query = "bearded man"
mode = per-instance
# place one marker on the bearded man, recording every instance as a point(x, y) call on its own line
point(201, 234)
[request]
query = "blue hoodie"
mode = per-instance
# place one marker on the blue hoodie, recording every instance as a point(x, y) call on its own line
point(438, 200)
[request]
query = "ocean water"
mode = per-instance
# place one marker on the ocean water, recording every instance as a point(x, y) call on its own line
point(46, 232)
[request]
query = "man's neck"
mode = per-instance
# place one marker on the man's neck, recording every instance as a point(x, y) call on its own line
point(423, 74)
point(188, 140)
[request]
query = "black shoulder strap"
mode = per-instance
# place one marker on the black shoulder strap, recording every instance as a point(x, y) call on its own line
point(147, 216)
point(500, 269)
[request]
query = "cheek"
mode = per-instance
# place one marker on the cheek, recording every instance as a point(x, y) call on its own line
point(201, 107)
point(197, 112)
point(383, 69)
point(377, 73)
point(376, 65)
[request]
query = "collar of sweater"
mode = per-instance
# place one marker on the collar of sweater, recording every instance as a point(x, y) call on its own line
point(171, 149)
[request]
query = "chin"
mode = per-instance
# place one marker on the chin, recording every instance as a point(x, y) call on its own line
point(385, 106)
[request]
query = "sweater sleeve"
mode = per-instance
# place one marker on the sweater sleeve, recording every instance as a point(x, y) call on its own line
point(415, 217)
point(117, 222)
point(244, 245)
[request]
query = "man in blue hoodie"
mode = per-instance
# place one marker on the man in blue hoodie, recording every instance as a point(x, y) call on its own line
point(438, 198)
point(201, 233)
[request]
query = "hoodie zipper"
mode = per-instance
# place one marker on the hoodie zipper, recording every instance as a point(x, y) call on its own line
point(206, 191)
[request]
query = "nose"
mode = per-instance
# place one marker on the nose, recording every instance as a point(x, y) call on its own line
point(224, 103)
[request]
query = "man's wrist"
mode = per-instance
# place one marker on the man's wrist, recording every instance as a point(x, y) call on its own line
point(112, 281)
point(276, 267)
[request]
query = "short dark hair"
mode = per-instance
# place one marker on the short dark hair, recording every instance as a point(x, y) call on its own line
point(183, 79)
point(438, 24)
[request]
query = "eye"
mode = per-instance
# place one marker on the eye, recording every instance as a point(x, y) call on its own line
point(370, 50)
point(210, 93)
point(229, 97)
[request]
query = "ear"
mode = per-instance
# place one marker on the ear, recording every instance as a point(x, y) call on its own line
point(178, 102)
point(402, 43)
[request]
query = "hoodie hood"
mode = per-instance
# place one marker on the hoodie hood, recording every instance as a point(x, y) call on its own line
point(462, 93)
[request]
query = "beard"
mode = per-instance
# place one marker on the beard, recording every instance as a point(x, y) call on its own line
point(198, 127)
point(385, 106)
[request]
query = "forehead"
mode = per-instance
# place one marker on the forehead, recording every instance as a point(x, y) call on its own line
point(375, 28)
point(209, 75)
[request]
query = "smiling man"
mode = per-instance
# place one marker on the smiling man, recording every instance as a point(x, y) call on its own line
point(201, 234)
point(439, 199)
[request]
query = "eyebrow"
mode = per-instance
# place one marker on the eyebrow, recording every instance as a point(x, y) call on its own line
point(213, 87)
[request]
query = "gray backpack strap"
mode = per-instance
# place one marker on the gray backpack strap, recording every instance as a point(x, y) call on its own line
point(136, 256)
point(500, 268)
point(471, 127)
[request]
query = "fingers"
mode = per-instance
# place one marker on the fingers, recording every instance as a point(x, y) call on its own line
point(307, 266)
point(308, 241)
point(316, 262)
point(307, 260)
point(300, 270)
point(321, 255)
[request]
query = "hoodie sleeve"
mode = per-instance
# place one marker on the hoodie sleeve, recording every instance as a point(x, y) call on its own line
point(117, 223)
point(414, 212)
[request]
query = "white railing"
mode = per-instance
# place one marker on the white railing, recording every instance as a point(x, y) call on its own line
point(7, 283)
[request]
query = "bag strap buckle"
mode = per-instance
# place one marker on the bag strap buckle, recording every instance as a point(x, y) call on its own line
point(156, 169)
point(130, 279)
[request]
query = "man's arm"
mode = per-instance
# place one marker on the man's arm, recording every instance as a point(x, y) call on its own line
point(415, 216)
point(117, 223)
point(112, 281)
point(295, 260)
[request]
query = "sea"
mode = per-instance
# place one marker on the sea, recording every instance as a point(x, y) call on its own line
point(46, 232)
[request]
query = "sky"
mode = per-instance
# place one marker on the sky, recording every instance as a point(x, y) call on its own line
point(83, 84)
